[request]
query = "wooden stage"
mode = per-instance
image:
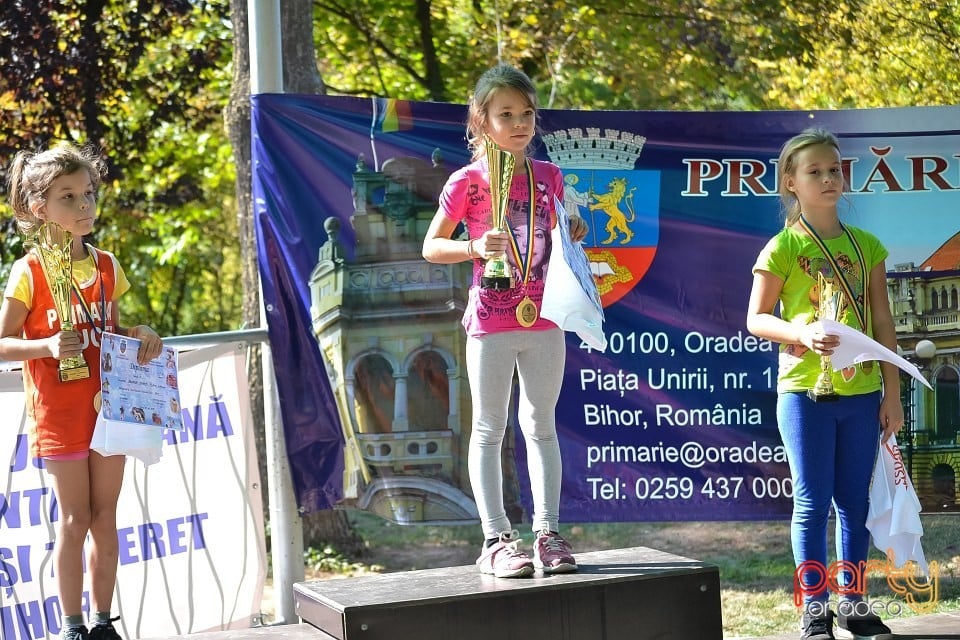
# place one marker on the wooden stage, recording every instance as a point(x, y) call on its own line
point(635, 593)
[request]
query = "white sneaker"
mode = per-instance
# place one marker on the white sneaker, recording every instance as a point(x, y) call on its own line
point(504, 560)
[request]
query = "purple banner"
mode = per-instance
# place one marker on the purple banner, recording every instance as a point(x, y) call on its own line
point(676, 420)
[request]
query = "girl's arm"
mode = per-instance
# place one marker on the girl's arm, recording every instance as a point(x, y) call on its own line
point(762, 322)
point(150, 343)
point(891, 408)
point(439, 247)
point(578, 228)
point(14, 347)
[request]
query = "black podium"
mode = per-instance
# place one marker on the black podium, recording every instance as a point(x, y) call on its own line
point(635, 594)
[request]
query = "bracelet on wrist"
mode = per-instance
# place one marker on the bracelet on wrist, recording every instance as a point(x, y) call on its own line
point(470, 249)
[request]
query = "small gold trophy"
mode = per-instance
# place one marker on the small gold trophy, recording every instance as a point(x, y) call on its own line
point(53, 244)
point(500, 163)
point(832, 304)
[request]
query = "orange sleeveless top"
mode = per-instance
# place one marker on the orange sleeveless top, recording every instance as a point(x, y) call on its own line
point(61, 415)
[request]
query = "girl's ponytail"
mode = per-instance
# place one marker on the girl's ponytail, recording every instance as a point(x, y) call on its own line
point(19, 193)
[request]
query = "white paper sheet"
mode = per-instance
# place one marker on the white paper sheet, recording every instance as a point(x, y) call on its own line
point(856, 347)
point(139, 402)
point(570, 297)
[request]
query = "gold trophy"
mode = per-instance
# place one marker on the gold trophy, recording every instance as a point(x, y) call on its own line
point(496, 272)
point(53, 244)
point(832, 304)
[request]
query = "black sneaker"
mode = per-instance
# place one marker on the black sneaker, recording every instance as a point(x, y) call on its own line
point(817, 627)
point(862, 625)
point(78, 632)
point(105, 630)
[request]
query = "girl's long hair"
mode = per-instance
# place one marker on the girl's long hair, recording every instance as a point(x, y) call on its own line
point(787, 166)
point(32, 174)
point(502, 76)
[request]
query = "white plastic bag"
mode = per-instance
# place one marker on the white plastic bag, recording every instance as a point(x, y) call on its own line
point(141, 441)
point(893, 518)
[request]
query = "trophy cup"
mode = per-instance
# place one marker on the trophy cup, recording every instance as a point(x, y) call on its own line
point(832, 304)
point(53, 244)
point(500, 163)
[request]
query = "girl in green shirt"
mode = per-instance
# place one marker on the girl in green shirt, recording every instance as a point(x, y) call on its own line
point(831, 438)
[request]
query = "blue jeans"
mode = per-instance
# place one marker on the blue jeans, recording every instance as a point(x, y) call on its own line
point(831, 448)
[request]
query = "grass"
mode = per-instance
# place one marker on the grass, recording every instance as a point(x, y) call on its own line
point(754, 559)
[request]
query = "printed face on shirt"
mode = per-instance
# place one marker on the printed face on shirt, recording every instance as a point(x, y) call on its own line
point(540, 246)
point(818, 179)
point(71, 202)
point(511, 120)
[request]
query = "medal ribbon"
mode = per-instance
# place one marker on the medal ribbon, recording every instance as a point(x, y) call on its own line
point(525, 260)
point(83, 303)
point(844, 283)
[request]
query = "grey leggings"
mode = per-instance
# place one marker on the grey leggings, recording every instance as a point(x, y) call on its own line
point(539, 358)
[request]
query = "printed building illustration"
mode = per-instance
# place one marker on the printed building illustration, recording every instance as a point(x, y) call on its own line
point(388, 325)
point(925, 301)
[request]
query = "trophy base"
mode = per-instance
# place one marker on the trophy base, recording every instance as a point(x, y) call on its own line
point(74, 373)
point(822, 396)
point(497, 283)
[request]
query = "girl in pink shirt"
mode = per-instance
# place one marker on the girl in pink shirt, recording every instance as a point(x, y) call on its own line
point(505, 331)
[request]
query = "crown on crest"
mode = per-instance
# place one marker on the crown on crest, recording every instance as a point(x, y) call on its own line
point(615, 149)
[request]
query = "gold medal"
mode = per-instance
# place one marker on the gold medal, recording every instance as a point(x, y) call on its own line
point(527, 312)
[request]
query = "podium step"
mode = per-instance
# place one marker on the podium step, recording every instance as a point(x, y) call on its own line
point(636, 593)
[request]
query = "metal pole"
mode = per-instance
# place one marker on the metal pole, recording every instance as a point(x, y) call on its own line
point(286, 527)
point(266, 54)
point(195, 340)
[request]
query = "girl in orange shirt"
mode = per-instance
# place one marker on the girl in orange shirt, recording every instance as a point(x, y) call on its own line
point(60, 186)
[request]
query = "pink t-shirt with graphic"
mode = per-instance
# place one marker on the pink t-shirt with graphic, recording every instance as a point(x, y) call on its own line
point(466, 198)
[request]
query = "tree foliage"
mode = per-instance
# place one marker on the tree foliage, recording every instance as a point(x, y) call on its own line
point(146, 82)
point(149, 81)
point(876, 53)
point(647, 54)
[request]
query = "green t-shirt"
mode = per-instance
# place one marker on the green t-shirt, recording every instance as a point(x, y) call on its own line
point(794, 257)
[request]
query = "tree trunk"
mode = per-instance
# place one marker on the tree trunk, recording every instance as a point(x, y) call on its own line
point(300, 76)
point(434, 76)
point(300, 72)
point(237, 124)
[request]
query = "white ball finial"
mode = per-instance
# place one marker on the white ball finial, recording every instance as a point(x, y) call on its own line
point(925, 349)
